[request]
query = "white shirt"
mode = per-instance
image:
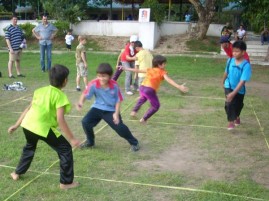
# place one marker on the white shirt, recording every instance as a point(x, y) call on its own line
point(68, 39)
point(241, 33)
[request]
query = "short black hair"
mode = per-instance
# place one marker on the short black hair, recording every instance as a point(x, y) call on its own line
point(105, 68)
point(240, 45)
point(57, 75)
point(13, 16)
point(158, 60)
point(138, 44)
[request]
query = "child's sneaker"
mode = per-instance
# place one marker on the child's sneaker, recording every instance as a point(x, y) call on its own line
point(129, 93)
point(78, 89)
point(86, 145)
point(237, 122)
point(231, 126)
point(135, 148)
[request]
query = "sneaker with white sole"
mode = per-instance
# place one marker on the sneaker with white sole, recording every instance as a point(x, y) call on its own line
point(129, 93)
point(135, 148)
point(230, 126)
point(237, 121)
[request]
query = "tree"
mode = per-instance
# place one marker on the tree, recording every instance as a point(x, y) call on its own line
point(66, 10)
point(205, 10)
point(256, 12)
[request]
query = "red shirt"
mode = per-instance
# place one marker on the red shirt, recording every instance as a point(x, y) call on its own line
point(229, 52)
point(127, 52)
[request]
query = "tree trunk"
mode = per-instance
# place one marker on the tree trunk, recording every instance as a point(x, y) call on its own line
point(267, 56)
point(205, 13)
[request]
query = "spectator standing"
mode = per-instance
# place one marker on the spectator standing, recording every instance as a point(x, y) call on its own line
point(14, 38)
point(45, 32)
point(126, 60)
point(228, 47)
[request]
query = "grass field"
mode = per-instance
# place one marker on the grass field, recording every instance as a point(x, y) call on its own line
point(186, 153)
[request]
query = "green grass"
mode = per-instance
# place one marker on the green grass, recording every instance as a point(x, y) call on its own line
point(186, 152)
point(210, 44)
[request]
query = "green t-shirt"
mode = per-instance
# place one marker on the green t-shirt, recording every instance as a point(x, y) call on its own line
point(79, 50)
point(42, 115)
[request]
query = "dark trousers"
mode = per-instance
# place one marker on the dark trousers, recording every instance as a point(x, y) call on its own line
point(94, 116)
point(234, 108)
point(60, 145)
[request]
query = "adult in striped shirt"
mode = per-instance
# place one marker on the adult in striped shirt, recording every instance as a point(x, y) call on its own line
point(14, 37)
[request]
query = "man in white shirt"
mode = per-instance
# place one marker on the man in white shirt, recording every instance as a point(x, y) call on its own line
point(240, 34)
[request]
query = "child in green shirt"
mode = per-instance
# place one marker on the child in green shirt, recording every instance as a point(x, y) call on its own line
point(40, 121)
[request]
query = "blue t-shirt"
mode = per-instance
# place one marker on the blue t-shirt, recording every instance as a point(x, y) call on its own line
point(235, 74)
point(105, 98)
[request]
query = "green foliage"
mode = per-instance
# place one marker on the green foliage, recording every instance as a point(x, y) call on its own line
point(27, 29)
point(62, 27)
point(65, 10)
point(157, 10)
point(256, 13)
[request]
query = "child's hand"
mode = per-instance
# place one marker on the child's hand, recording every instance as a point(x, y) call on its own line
point(79, 106)
point(229, 97)
point(74, 142)
point(12, 129)
point(183, 88)
point(116, 118)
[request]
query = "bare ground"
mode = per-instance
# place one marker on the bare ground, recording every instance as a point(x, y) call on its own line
point(167, 44)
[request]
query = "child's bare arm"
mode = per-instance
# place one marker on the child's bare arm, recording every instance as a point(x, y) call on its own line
point(131, 58)
point(173, 83)
point(231, 95)
point(224, 78)
point(134, 70)
point(64, 127)
point(80, 102)
point(116, 114)
point(83, 57)
point(18, 123)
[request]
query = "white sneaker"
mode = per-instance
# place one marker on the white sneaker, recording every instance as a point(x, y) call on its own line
point(129, 93)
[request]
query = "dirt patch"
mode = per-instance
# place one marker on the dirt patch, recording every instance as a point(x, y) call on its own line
point(259, 89)
point(167, 44)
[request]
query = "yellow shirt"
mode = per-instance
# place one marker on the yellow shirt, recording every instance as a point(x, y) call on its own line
point(42, 115)
point(144, 61)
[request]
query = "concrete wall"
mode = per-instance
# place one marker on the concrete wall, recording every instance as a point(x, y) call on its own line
point(148, 32)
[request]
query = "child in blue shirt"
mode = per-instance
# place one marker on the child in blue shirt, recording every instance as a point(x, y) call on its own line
point(237, 73)
point(106, 106)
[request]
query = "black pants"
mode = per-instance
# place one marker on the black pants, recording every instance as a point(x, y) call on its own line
point(94, 116)
point(60, 145)
point(234, 108)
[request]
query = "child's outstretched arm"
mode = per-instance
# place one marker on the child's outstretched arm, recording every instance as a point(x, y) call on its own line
point(119, 57)
point(18, 123)
point(136, 70)
point(80, 102)
point(173, 83)
point(64, 127)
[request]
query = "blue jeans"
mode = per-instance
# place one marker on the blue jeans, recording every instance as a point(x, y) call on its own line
point(94, 116)
point(129, 76)
point(48, 49)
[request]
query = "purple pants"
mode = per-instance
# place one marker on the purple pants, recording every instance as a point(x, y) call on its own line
point(117, 74)
point(147, 93)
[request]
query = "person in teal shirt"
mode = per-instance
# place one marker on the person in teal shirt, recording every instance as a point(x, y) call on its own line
point(40, 121)
point(237, 73)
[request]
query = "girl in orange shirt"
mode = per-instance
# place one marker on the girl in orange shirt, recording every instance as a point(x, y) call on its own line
point(150, 85)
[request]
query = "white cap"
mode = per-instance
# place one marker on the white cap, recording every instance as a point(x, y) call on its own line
point(133, 38)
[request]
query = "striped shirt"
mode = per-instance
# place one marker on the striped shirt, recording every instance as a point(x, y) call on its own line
point(15, 35)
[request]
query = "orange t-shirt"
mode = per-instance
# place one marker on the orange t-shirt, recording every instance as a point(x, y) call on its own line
point(154, 77)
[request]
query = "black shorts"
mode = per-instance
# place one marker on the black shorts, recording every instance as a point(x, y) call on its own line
point(68, 47)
